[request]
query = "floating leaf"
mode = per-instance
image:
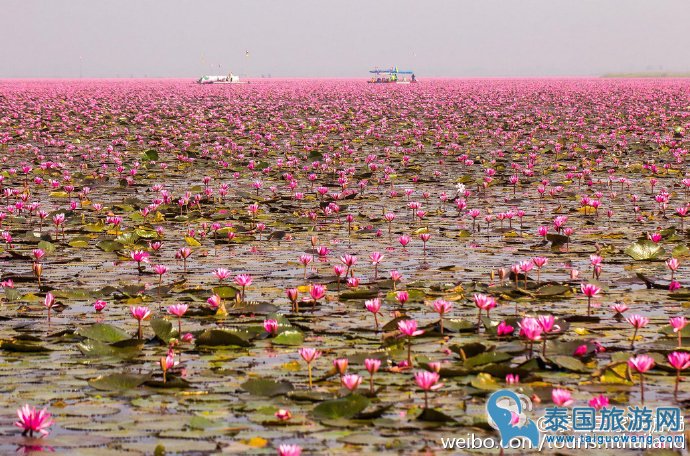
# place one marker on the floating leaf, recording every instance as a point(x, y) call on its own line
point(109, 246)
point(103, 332)
point(644, 250)
point(162, 328)
point(192, 242)
point(22, 346)
point(150, 155)
point(552, 290)
point(225, 291)
point(289, 337)
point(267, 387)
point(221, 337)
point(346, 407)
point(117, 382)
point(125, 349)
point(436, 416)
point(569, 363)
point(486, 382)
point(486, 358)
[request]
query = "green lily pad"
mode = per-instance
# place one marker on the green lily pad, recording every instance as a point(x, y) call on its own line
point(124, 349)
point(552, 290)
point(23, 346)
point(486, 358)
point(436, 416)
point(109, 246)
point(346, 407)
point(486, 382)
point(117, 382)
point(569, 363)
point(267, 387)
point(103, 332)
point(644, 250)
point(162, 328)
point(221, 337)
point(225, 291)
point(289, 337)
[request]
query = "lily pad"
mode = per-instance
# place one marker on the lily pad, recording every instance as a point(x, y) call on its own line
point(644, 250)
point(103, 332)
point(221, 337)
point(347, 407)
point(267, 387)
point(115, 382)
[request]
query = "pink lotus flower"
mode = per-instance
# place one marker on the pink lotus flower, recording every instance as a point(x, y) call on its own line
point(641, 364)
point(271, 326)
point(214, 301)
point(374, 306)
point(561, 397)
point(581, 351)
point(531, 330)
point(654, 237)
point(442, 307)
point(351, 381)
point(289, 450)
point(395, 277)
point(32, 420)
point(372, 365)
point(504, 329)
point(599, 402)
point(680, 361)
point(293, 294)
point(222, 274)
point(409, 328)
point(402, 297)
point(317, 291)
point(637, 321)
point(590, 291)
point(619, 308)
point(309, 355)
point(243, 280)
point(678, 323)
point(512, 379)
point(404, 240)
point(140, 313)
point(283, 414)
point(427, 381)
point(99, 305)
point(167, 363)
point(340, 365)
point(49, 303)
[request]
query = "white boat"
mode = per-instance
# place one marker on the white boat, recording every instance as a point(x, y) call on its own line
point(229, 79)
point(392, 76)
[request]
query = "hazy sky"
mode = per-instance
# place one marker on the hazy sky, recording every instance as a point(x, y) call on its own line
point(345, 38)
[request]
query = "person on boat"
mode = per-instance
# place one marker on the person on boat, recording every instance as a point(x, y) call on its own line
point(413, 78)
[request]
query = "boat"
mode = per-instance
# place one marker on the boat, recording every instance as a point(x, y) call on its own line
point(229, 79)
point(392, 76)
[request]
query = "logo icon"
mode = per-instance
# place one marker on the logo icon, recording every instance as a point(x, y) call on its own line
point(505, 410)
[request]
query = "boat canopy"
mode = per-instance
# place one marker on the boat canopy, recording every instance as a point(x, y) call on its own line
point(391, 71)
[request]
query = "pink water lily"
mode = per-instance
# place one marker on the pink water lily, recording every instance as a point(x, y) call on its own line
point(32, 420)
point(641, 364)
point(427, 381)
point(409, 329)
point(140, 313)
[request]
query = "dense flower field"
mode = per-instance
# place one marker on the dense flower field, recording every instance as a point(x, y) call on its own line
point(331, 265)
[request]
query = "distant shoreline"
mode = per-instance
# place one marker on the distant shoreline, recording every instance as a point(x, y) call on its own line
point(656, 75)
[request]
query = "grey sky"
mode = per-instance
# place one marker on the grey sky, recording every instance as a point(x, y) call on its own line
point(323, 38)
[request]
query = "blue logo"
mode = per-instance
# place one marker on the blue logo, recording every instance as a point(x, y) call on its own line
point(505, 410)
